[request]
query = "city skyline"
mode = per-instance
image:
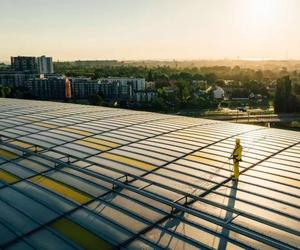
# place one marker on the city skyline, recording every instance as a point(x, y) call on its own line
point(155, 30)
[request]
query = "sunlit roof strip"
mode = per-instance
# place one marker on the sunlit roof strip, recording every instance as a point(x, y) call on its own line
point(45, 124)
point(93, 145)
point(7, 177)
point(67, 191)
point(21, 144)
point(7, 155)
point(76, 131)
point(102, 142)
point(128, 161)
point(28, 118)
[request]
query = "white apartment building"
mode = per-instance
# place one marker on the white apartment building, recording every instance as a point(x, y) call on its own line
point(44, 65)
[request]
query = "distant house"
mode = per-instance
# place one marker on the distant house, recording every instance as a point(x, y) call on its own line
point(169, 90)
point(252, 96)
point(217, 92)
point(149, 85)
point(258, 97)
point(240, 98)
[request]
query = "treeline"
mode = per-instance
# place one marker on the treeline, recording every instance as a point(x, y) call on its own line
point(286, 100)
point(164, 74)
point(20, 92)
point(251, 64)
point(181, 87)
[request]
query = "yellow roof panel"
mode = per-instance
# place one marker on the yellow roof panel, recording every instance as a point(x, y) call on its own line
point(80, 235)
point(93, 145)
point(62, 189)
point(45, 124)
point(128, 161)
point(7, 155)
point(102, 142)
point(8, 177)
point(76, 131)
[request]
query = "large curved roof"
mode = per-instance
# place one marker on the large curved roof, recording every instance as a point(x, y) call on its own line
point(76, 176)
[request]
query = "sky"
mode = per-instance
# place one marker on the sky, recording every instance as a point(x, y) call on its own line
point(150, 29)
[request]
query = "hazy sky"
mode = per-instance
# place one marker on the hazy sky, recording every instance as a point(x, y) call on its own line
point(150, 29)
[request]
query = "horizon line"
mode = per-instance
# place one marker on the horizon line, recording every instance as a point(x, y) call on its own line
point(246, 59)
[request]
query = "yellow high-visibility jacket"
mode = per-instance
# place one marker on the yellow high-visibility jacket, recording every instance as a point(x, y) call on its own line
point(237, 153)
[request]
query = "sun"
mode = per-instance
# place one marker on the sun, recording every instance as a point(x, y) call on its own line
point(262, 7)
point(259, 13)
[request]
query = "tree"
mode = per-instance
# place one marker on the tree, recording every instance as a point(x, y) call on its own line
point(210, 77)
point(150, 76)
point(297, 89)
point(220, 83)
point(161, 80)
point(4, 91)
point(95, 100)
point(185, 76)
point(259, 75)
point(283, 94)
point(198, 77)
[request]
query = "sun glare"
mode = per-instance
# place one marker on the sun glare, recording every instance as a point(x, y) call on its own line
point(259, 14)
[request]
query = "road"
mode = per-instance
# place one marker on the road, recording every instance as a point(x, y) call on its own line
point(245, 118)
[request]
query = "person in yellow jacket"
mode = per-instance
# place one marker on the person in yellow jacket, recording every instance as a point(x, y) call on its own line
point(237, 157)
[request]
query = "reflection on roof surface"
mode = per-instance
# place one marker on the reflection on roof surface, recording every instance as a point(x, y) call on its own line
point(75, 176)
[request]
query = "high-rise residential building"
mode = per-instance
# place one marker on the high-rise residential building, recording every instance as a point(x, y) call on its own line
point(84, 87)
point(24, 63)
point(121, 88)
point(50, 88)
point(44, 65)
point(15, 78)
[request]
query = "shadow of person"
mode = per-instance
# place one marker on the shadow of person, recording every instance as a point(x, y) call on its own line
point(101, 203)
point(229, 215)
point(172, 224)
